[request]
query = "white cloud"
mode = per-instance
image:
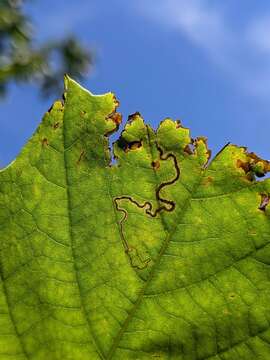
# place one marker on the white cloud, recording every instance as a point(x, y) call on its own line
point(192, 17)
point(259, 34)
point(242, 52)
point(202, 25)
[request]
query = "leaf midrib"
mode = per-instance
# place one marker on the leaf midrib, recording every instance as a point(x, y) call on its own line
point(76, 272)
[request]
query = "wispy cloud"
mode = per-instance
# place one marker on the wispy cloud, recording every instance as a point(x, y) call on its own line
point(242, 52)
point(258, 34)
point(59, 20)
point(201, 24)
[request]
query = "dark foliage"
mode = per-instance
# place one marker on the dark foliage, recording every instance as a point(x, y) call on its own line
point(22, 60)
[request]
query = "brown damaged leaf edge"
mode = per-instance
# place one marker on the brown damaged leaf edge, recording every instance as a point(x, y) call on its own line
point(208, 151)
point(155, 164)
point(130, 145)
point(127, 146)
point(254, 166)
point(114, 116)
point(133, 116)
point(165, 205)
point(190, 149)
point(265, 199)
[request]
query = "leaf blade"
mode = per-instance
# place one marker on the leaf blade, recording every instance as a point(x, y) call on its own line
point(132, 260)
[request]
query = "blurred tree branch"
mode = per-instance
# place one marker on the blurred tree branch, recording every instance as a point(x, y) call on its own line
point(21, 60)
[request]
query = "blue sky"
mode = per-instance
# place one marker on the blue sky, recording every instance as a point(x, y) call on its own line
point(204, 62)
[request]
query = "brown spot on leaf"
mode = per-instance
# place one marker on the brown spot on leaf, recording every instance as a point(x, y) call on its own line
point(252, 232)
point(226, 311)
point(264, 202)
point(134, 145)
point(56, 125)
point(244, 165)
point(45, 142)
point(232, 296)
point(116, 118)
point(253, 165)
point(255, 157)
point(208, 180)
point(155, 164)
point(82, 154)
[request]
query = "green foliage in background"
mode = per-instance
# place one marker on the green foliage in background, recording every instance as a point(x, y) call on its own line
point(21, 59)
point(161, 255)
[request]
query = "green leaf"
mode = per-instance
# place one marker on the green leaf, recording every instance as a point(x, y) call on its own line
point(159, 255)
